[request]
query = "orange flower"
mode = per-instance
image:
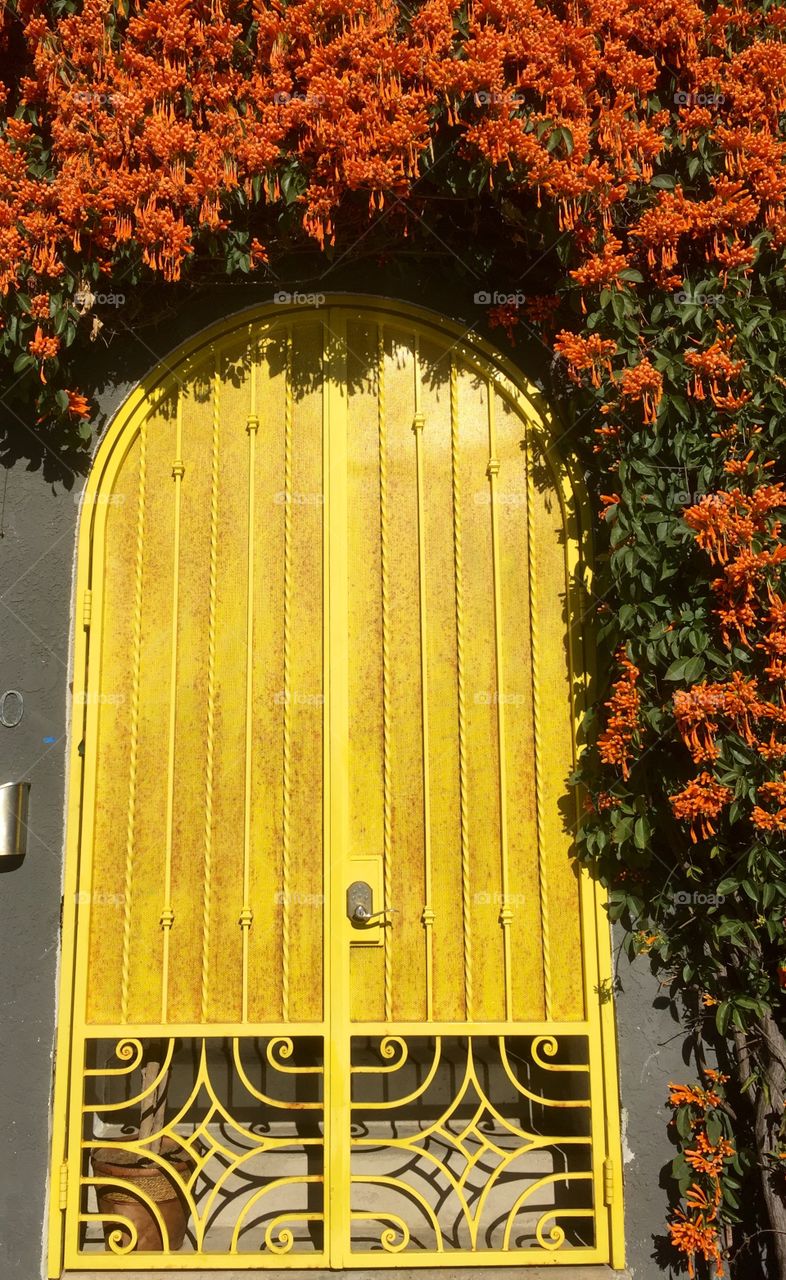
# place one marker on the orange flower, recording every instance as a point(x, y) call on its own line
point(700, 803)
point(258, 253)
point(645, 942)
point(42, 347)
point(680, 1094)
point(39, 306)
point(605, 801)
point(696, 1235)
point(706, 1158)
point(604, 268)
point(643, 382)
point(712, 364)
point(582, 354)
point(506, 317)
point(764, 819)
point(718, 1076)
point(78, 405)
point(615, 743)
point(540, 309)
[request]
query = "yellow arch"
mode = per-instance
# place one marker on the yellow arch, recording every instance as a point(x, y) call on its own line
point(107, 463)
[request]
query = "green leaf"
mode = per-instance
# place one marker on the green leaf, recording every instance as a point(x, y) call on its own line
point(679, 1165)
point(675, 671)
point(694, 668)
point(641, 833)
point(728, 1194)
point(727, 886)
point(748, 1002)
point(293, 184)
point(722, 1016)
point(622, 830)
point(714, 1128)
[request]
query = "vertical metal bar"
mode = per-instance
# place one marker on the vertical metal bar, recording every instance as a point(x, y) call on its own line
point(601, 1048)
point(428, 912)
point(133, 746)
point(336, 794)
point(536, 730)
point(287, 744)
point(387, 808)
point(167, 914)
point(82, 803)
point(458, 571)
point(246, 914)
point(506, 914)
point(211, 691)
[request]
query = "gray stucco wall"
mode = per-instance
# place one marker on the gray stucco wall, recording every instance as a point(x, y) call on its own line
point(36, 572)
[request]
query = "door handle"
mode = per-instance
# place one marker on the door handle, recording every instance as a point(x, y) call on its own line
point(361, 916)
point(360, 904)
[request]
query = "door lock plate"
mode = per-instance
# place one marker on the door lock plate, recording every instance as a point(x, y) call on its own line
point(365, 891)
point(360, 901)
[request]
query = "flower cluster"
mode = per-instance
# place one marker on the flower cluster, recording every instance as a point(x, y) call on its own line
point(616, 742)
point(643, 383)
point(585, 355)
point(742, 534)
point(765, 819)
point(700, 803)
point(696, 1229)
point(737, 706)
point(144, 132)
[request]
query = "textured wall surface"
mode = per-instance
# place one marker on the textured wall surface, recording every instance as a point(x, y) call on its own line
point(649, 1047)
point(36, 557)
point(37, 533)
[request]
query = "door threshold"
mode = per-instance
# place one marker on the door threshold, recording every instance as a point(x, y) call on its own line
point(556, 1272)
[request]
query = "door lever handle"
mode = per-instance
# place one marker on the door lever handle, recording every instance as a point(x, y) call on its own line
point(360, 904)
point(362, 916)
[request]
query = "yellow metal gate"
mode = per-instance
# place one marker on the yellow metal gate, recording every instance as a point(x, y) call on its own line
point(327, 962)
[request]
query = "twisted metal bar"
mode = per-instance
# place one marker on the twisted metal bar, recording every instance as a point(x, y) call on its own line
point(287, 746)
point(458, 570)
point(211, 693)
point(167, 913)
point(136, 663)
point(387, 819)
point(246, 914)
point(428, 916)
point(506, 913)
point(533, 631)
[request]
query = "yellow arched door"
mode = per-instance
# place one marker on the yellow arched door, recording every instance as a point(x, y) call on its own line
point(322, 928)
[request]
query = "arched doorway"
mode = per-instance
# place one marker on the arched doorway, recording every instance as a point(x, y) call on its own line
point(322, 927)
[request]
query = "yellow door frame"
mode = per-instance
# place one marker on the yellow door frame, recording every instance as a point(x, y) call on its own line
point(508, 380)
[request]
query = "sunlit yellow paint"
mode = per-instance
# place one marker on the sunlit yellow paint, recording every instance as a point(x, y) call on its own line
point(290, 552)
